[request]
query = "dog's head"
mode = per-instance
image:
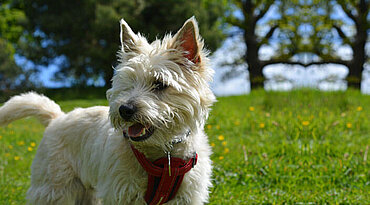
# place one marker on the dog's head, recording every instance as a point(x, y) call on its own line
point(160, 90)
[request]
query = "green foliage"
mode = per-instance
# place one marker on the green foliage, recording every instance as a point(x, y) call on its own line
point(86, 33)
point(10, 22)
point(300, 147)
point(10, 31)
point(8, 69)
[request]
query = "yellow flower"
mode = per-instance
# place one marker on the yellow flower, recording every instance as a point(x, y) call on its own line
point(1, 137)
point(7, 154)
point(349, 125)
point(262, 125)
point(224, 143)
point(10, 146)
point(209, 127)
point(359, 108)
point(221, 157)
point(237, 123)
point(226, 150)
point(221, 138)
point(218, 127)
point(30, 149)
point(305, 123)
point(251, 108)
point(20, 143)
point(33, 144)
point(213, 144)
point(16, 158)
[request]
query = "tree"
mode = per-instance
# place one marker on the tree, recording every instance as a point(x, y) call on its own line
point(85, 33)
point(10, 32)
point(303, 33)
point(282, 33)
point(358, 12)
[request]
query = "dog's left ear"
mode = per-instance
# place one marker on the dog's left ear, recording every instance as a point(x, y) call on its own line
point(128, 37)
point(186, 39)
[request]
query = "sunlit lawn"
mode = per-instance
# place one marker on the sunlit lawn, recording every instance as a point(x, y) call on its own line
point(300, 147)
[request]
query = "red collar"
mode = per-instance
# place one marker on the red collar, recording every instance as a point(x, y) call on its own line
point(163, 180)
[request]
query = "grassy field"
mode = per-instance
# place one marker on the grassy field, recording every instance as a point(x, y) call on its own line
point(300, 147)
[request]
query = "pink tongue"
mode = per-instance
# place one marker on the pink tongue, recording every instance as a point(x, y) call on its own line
point(135, 130)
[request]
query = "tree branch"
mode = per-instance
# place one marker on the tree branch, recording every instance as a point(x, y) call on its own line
point(282, 61)
point(342, 35)
point(347, 10)
point(246, 7)
point(263, 11)
point(235, 22)
point(268, 35)
point(288, 62)
point(271, 31)
point(333, 61)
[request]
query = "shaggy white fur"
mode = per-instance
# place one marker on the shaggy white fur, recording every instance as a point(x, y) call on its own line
point(84, 158)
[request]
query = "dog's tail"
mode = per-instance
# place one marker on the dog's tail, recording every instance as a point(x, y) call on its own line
point(29, 104)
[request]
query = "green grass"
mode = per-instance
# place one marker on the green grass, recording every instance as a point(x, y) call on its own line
point(300, 147)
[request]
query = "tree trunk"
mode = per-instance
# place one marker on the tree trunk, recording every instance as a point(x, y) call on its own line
point(354, 76)
point(356, 66)
point(256, 76)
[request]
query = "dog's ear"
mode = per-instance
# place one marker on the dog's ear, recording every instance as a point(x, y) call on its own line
point(186, 39)
point(128, 37)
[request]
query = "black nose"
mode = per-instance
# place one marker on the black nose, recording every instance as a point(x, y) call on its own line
point(127, 111)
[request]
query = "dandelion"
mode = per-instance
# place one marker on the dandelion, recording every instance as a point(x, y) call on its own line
point(30, 149)
point(262, 125)
point(226, 150)
point(209, 127)
point(349, 125)
point(16, 158)
point(33, 144)
point(221, 157)
point(251, 108)
point(237, 123)
point(305, 123)
point(359, 108)
point(221, 138)
point(213, 144)
point(10, 146)
point(20, 143)
point(224, 143)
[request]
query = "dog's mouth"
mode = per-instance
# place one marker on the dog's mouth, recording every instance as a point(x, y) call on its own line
point(138, 132)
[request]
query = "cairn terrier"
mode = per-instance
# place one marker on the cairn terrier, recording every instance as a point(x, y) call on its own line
point(158, 105)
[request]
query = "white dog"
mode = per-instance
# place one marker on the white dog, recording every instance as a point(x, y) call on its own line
point(139, 150)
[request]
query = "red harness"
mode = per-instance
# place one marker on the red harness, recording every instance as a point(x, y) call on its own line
point(164, 178)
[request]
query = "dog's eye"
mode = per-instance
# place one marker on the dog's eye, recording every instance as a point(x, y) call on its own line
point(158, 86)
